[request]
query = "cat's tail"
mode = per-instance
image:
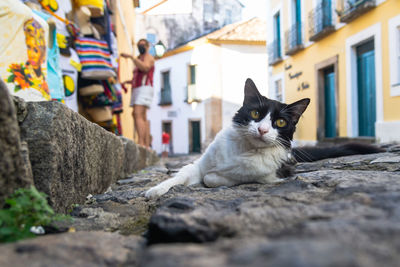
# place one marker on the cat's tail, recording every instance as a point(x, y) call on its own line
point(312, 153)
point(188, 175)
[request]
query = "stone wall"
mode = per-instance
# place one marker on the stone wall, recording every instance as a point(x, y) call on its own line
point(68, 156)
point(72, 157)
point(13, 172)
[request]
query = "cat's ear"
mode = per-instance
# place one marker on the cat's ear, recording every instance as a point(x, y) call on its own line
point(250, 91)
point(297, 108)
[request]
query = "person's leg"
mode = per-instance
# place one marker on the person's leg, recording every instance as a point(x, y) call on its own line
point(139, 115)
point(147, 136)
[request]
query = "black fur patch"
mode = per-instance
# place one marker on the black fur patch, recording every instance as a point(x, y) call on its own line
point(313, 153)
point(253, 100)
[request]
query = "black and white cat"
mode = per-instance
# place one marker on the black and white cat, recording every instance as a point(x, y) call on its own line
point(252, 150)
point(256, 148)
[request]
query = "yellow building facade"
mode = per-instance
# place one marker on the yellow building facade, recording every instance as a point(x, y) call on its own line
point(125, 19)
point(345, 56)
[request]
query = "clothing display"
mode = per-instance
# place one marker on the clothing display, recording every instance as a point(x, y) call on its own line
point(54, 75)
point(46, 56)
point(70, 67)
point(23, 51)
point(95, 58)
point(89, 87)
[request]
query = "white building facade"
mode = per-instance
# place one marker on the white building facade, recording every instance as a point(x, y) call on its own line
point(198, 87)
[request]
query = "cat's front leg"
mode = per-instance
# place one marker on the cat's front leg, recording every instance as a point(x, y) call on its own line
point(215, 180)
point(269, 179)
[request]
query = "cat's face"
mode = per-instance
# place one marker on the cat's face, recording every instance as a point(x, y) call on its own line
point(265, 122)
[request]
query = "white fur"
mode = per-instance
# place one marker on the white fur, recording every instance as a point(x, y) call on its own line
point(239, 154)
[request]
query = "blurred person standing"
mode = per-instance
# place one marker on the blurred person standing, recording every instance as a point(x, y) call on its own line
point(142, 90)
point(165, 144)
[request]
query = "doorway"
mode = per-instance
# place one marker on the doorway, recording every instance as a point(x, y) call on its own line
point(194, 137)
point(328, 107)
point(330, 102)
point(167, 127)
point(366, 91)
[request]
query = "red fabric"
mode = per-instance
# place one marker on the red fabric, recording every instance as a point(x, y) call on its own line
point(139, 75)
point(165, 138)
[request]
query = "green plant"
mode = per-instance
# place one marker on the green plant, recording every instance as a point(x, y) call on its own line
point(25, 208)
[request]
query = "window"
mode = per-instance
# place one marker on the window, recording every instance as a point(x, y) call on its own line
point(394, 55)
point(297, 20)
point(208, 12)
point(192, 90)
point(398, 56)
point(165, 93)
point(278, 90)
point(228, 16)
point(152, 40)
point(192, 74)
point(165, 80)
point(277, 35)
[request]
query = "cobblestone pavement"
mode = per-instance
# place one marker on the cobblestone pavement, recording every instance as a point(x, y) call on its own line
point(335, 212)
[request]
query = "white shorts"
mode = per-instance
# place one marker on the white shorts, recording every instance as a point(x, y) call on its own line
point(142, 95)
point(165, 147)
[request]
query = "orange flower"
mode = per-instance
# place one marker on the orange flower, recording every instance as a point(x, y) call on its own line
point(45, 87)
point(20, 79)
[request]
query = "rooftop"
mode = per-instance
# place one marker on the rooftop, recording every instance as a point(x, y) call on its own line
point(249, 32)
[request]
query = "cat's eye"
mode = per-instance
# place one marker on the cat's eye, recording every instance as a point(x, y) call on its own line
point(255, 114)
point(280, 123)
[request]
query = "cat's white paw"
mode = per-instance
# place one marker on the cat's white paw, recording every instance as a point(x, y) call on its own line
point(156, 191)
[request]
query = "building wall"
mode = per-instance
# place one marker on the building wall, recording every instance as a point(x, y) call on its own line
point(180, 112)
point(175, 29)
point(335, 45)
point(126, 66)
point(221, 73)
point(239, 62)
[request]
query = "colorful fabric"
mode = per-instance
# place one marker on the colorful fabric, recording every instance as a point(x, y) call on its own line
point(59, 8)
point(117, 106)
point(91, 3)
point(107, 98)
point(70, 67)
point(54, 75)
point(99, 100)
point(23, 54)
point(95, 58)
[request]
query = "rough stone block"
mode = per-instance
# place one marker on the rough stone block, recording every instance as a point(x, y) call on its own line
point(136, 157)
point(13, 171)
point(131, 157)
point(74, 249)
point(70, 156)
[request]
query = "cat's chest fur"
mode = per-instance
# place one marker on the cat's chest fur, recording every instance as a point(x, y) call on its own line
point(234, 158)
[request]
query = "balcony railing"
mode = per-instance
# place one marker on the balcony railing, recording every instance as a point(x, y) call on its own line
point(165, 97)
point(274, 52)
point(294, 39)
point(351, 9)
point(321, 21)
point(192, 94)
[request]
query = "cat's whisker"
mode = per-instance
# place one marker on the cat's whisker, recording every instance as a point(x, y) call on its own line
point(304, 154)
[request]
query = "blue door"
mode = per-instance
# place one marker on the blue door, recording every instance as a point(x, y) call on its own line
point(366, 89)
point(330, 103)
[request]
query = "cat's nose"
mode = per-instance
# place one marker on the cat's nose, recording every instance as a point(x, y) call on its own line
point(263, 130)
